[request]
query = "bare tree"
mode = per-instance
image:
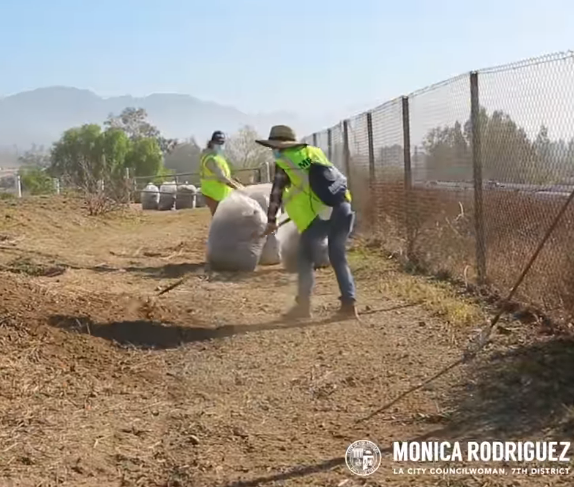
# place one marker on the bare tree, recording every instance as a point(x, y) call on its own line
point(244, 153)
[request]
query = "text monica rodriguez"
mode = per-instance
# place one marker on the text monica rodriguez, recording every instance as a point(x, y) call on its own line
point(485, 451)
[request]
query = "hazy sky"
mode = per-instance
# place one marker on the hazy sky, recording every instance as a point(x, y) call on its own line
point(313, 57)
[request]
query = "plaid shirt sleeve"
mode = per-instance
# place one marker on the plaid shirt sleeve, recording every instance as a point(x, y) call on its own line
point(280, 181)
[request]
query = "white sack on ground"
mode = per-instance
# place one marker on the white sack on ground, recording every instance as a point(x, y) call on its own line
point(271, 253)
point(288, 237)
point(150, 197)
point(167, 192)
point(199, 200)
point(260, 193)
point(234, 242)
point(185, 196)
point(322, 258)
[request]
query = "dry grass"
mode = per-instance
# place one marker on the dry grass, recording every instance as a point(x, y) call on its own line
point(218, 390)
point(444, 243)
point(439, 298)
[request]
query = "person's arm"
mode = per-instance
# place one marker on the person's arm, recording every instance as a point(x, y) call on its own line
point(280, 181)
point(216, 170)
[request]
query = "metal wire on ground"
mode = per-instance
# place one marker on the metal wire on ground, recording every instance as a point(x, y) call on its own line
point(483, 338)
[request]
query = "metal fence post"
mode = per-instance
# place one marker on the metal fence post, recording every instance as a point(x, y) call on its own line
point(347, 152)
point(127, 185)
point(315, 139)
point(477, 176)
point(372, 175)
point(18, 186)
point(266, 176)
point(330, 144)
point(371, 144)
point(408, 181)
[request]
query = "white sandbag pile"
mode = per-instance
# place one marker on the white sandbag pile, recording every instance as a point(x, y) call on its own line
point(199, 200)
point(288, 237)
point(167, 194)
point(271, 252)
point(150, 197)
point(234, 242)
point(185, 196)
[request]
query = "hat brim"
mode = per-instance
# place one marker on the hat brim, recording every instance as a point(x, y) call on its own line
point(280, 144)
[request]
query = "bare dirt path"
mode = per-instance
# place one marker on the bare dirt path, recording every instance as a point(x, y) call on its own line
point(213, 391)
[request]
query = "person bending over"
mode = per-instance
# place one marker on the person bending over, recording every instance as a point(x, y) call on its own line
point(314, 219)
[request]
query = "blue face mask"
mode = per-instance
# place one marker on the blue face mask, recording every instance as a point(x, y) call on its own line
point(276, 154)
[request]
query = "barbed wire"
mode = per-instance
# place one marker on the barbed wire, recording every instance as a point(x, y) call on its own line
point(525, 63)
point(438, 85)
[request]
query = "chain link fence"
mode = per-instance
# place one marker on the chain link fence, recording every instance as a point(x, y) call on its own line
point(464, 177)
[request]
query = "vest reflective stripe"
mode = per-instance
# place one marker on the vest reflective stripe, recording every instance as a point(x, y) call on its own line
point(301, 204)
point(303, 180)
point(210, 184)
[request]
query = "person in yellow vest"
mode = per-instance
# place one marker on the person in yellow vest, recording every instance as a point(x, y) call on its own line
point(214, 173)
point(314, 219)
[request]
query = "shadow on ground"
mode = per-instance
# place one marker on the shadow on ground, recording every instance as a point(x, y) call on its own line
point(175, 271)
point(167, 271)
point(39, 263)
point(524, 392)
point(157, 335)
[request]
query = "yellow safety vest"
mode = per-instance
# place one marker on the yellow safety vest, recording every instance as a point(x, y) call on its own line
point(301, 203)
point(210, 185)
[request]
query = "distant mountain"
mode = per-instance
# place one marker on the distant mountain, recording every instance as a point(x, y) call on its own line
point(40, 116)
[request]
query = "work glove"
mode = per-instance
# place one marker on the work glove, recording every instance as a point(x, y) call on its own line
point(270, 228)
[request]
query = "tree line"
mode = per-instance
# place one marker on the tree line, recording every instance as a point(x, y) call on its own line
point(84, 155)
point(88, 155)
point(509, 155)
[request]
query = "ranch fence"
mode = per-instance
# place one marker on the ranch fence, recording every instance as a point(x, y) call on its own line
point(12, 185)
point(464, 177)
point(251, 175)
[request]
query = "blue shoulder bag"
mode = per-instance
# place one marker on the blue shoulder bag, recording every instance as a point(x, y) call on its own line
point(328, 183)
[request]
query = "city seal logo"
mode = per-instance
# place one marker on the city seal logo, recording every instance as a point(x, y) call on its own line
point(363, 458)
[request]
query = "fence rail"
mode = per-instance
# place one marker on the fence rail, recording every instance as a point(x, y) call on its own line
point(15, 188)
point(464, 177)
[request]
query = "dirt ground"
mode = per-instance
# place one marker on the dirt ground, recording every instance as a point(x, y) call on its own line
point(212, 389)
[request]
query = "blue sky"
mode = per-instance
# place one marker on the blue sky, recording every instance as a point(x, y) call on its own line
point(317, 57)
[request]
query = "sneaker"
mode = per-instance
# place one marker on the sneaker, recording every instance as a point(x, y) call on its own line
point(301, 310)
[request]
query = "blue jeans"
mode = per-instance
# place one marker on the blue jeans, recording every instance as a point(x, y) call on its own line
point(337, 230)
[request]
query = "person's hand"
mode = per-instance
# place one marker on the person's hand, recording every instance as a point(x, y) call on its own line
point(270, 228)
point(234, 184)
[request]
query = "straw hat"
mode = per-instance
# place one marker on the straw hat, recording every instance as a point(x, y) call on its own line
point(281, 137)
